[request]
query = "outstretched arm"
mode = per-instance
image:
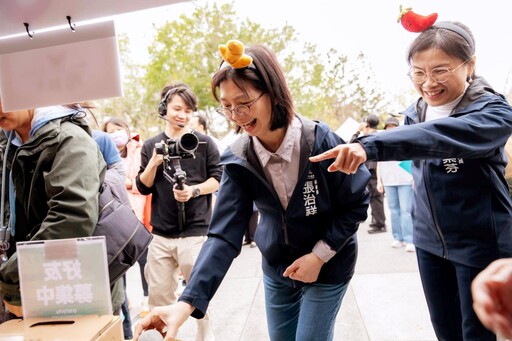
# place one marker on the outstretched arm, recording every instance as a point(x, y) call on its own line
point(348, 157)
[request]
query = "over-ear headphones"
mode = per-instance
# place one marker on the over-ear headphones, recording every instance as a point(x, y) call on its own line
point(184, 91)
point(162, 107)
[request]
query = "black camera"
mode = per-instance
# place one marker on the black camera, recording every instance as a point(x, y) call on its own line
point(185, 147)
point(173, 151)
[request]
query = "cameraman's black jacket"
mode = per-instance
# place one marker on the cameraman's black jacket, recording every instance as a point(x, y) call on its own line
point(164, 209)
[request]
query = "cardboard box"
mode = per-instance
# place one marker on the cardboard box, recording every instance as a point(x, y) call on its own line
point(82, 328)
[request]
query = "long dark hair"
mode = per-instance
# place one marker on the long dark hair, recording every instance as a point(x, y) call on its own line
point(82, 109)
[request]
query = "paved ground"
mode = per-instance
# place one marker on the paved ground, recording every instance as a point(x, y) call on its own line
point(384, 302)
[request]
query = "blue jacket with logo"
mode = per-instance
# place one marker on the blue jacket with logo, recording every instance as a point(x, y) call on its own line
point(324, 206)
point(462, 209)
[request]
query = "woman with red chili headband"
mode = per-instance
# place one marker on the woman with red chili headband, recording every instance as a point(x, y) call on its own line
point(455, 134)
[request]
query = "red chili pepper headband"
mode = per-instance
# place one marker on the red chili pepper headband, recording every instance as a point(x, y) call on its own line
point(414, 22)
point(233, 53)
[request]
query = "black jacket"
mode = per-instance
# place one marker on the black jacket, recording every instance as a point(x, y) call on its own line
point(164, 209)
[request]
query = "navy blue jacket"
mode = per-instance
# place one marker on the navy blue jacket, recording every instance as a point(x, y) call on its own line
point(462, 209)
point(324, 206)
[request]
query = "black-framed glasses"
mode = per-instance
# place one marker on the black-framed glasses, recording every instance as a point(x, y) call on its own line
point(438, 75)
point(241, 110)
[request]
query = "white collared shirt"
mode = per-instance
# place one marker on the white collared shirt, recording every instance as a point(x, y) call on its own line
point(282, 172)
point(282, 167)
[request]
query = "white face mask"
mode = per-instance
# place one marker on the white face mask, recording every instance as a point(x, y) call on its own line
point(120, 138)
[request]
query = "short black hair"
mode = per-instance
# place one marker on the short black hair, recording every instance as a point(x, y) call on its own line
point(183, 90)
point(201, 119)
point(267, 77)
point(372, 120)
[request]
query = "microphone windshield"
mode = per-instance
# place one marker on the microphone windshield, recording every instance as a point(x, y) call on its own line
point(151, 335)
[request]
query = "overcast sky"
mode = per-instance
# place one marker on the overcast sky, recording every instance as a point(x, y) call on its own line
point(369, 26)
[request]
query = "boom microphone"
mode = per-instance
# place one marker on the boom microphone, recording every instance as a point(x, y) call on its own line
point(176, 124)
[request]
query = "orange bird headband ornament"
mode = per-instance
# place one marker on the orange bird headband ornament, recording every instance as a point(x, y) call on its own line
point(414, 22)
point(233, 53)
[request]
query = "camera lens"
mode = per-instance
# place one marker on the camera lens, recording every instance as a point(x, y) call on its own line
point(188, 143)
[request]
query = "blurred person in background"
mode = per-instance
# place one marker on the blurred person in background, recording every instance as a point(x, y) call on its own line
point(199, 122)
point(378, 222)
point(394, 179)
point(129, 148)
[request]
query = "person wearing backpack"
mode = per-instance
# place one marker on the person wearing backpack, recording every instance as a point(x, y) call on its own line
point(53, 173)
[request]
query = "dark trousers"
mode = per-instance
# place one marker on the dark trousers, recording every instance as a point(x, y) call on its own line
point(127, 322)
point(376, 203)
point(142, 264)
point(447, 288)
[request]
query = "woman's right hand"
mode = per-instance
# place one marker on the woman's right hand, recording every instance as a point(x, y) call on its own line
point(170, 316)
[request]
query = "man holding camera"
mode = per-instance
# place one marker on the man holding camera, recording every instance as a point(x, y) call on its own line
point(181, 173)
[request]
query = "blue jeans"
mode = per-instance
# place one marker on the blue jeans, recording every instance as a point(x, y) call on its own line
point(307, 313)
point(399, 203)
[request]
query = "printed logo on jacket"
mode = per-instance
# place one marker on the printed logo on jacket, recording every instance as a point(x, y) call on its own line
point(309, 193)
point(452, 165)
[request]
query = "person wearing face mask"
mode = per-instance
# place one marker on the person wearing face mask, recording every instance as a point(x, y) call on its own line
point(308, 217)
point(455, 134)
point(176, 241)
point(129, 147)
point(109, 151)
point(120, 138)
point(113, 160)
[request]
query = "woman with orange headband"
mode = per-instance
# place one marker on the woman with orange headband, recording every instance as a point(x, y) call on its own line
point(308, 216)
